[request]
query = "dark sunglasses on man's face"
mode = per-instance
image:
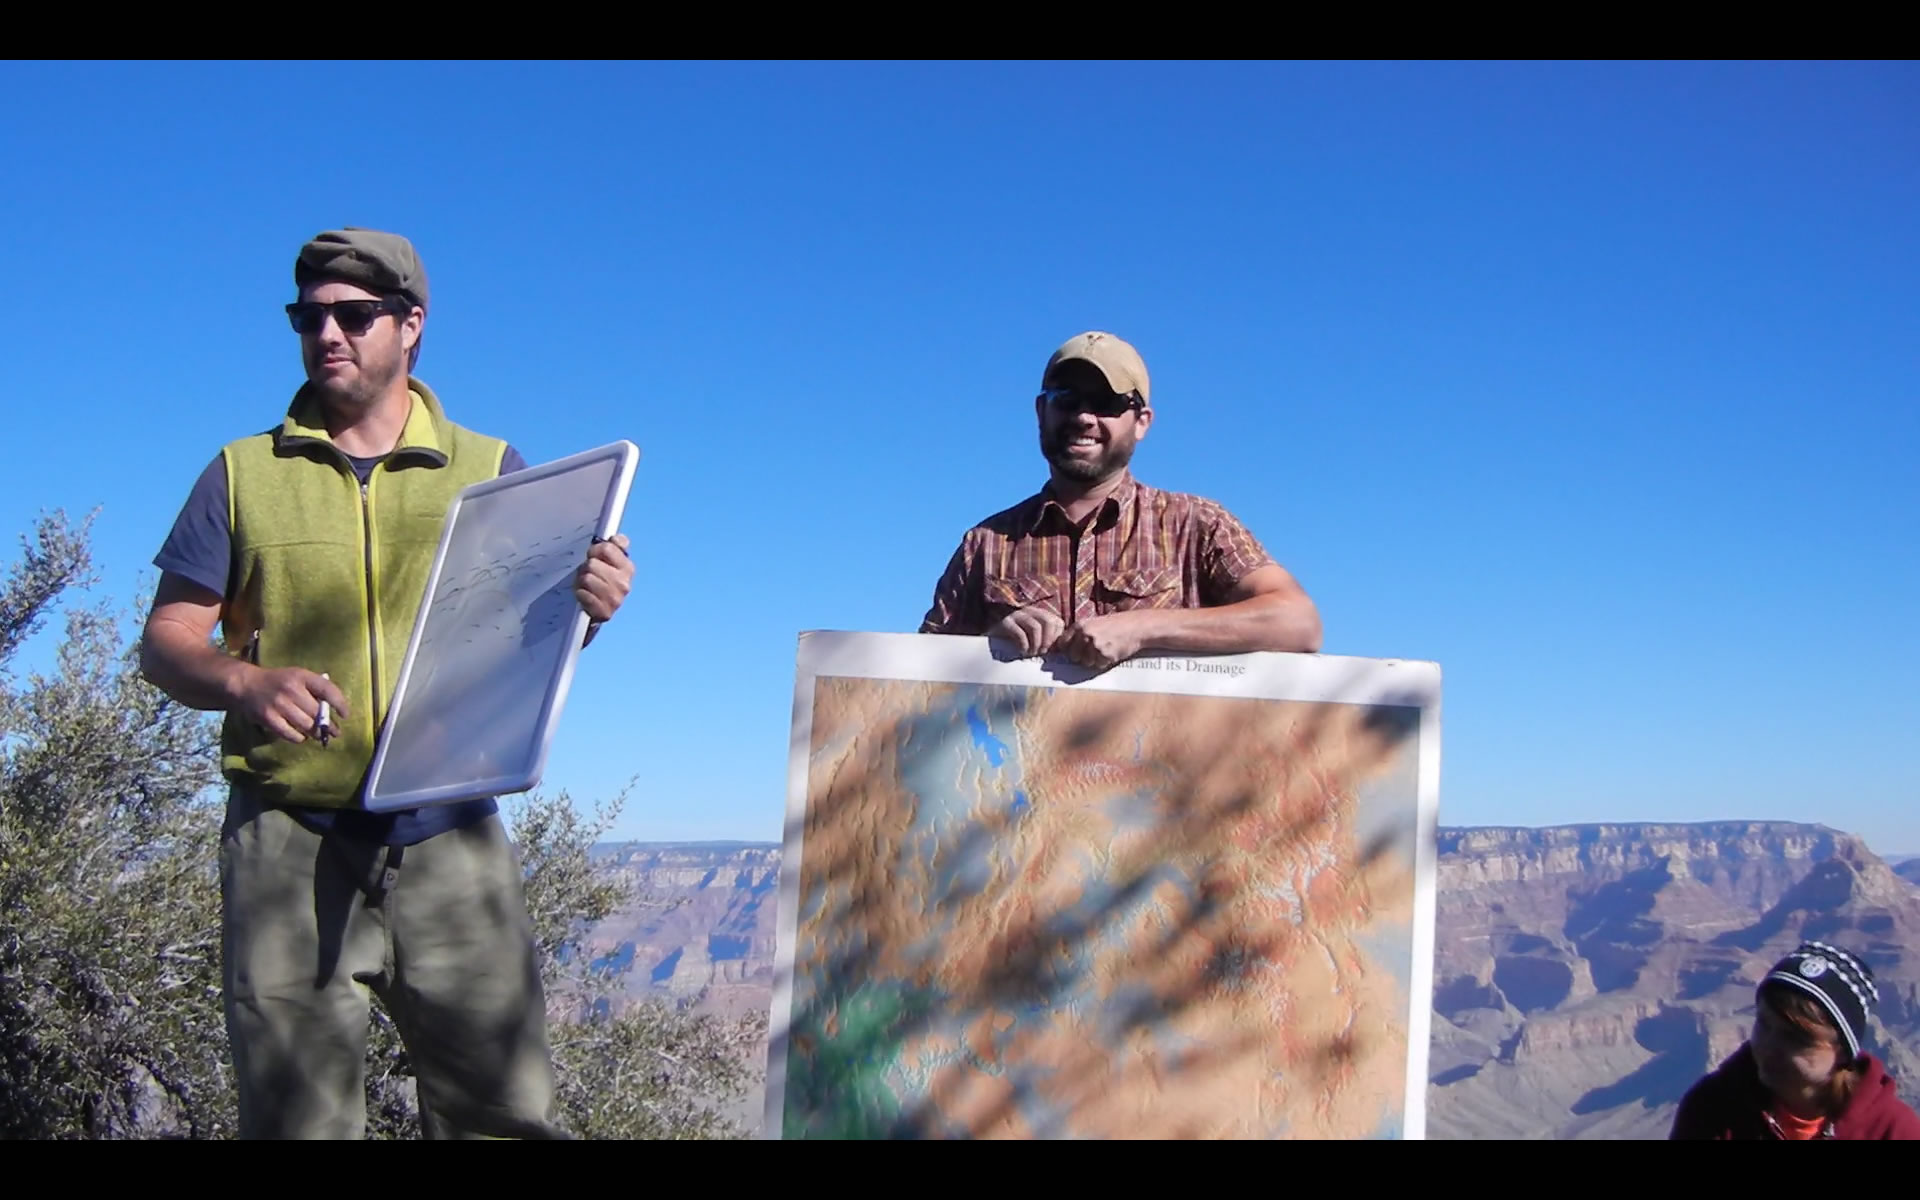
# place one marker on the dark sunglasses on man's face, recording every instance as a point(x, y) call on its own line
point(352, 316)
point(1101, 404)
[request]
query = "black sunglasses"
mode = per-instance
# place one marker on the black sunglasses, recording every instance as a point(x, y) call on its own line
point(1100, 404)
point(353, 316)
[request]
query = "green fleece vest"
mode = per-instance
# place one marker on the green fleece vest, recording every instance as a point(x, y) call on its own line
point(330, 575)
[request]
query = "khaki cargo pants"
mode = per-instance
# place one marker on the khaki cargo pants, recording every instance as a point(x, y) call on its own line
point(310, 932)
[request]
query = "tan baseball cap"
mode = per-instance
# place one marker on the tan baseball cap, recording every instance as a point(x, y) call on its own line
point(1125, 370)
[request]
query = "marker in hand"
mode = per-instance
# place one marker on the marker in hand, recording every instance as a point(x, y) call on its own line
point(322, 725)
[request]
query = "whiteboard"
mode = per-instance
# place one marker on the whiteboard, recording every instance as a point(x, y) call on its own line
point(493, 648)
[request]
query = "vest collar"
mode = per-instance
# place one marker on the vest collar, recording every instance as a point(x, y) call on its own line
point(422, 439)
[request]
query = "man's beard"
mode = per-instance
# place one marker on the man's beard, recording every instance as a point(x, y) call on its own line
point(1053, 446)
point(365, 388)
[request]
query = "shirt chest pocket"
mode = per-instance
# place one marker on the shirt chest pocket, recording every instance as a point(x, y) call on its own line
point(1140, 587)
point(1004, 593)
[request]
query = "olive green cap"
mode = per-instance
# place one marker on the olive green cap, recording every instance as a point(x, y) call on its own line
point(368, 258)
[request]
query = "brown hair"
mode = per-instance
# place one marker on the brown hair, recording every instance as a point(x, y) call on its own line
point(1815, 1023)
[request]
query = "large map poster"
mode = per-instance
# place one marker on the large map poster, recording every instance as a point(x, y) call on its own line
point(1189, 897)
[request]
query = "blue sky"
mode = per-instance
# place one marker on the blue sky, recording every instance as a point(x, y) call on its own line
point(1594, 383)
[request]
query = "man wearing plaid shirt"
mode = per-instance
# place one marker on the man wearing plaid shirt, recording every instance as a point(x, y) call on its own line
point(1098, 566)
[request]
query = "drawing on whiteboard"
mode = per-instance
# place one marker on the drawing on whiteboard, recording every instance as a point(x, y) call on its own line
point(513, 601)
point(483, 606)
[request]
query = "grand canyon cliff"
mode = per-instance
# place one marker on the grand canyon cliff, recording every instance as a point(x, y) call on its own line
point(702, 931)
point(1584, 976)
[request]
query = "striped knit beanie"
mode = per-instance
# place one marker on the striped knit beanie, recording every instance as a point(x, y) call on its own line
point(1841, 983)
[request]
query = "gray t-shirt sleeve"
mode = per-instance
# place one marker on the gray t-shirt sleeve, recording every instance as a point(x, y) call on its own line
point(199, 547)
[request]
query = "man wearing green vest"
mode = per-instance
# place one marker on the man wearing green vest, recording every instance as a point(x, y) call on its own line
point(308, 546)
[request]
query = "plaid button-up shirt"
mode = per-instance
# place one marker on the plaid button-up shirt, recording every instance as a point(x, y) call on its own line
point(1142, 548)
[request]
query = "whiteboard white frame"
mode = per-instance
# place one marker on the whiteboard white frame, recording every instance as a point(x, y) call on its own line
point(945, 658)
point(626, 457)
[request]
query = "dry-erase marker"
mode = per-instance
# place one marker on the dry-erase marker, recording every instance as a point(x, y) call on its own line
point(325, 715)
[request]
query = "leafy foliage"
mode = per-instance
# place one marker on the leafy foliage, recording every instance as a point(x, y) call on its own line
point(110, 1018)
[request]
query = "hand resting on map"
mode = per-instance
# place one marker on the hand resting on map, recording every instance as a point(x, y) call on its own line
point(1096, 643)
point(1267, 610)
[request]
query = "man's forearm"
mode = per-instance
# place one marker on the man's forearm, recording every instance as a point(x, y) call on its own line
point(190, 669)
point(1271, 622)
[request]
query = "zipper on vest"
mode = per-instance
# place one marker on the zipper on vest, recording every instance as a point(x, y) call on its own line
point(373, 615)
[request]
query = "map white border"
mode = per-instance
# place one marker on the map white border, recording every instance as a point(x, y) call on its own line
point(943, 658)
point(553, 697)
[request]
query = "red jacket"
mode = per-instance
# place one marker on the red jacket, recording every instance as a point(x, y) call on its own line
point(1731, 1103)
